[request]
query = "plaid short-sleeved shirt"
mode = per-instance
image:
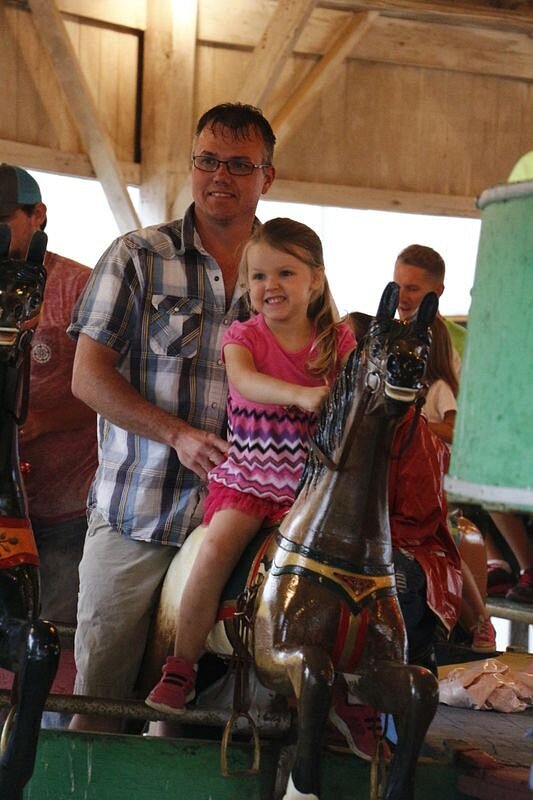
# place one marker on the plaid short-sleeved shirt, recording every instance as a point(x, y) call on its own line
point(158, 299)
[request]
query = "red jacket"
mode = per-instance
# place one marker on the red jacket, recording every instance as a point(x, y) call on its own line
point(418, 514)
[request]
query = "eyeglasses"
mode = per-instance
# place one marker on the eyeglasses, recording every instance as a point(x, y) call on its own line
point(235, 166)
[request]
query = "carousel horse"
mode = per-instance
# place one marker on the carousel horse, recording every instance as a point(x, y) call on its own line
point(324, 608)
point(29, 647)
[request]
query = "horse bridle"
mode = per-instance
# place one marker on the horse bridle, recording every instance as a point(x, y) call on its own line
point(373, 381)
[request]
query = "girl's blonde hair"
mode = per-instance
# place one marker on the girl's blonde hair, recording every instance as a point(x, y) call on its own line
point(440, 361)
point(302, 242)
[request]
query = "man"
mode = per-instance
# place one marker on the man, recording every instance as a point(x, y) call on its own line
point(149, 331)
point(418, 270)
point(58, 438)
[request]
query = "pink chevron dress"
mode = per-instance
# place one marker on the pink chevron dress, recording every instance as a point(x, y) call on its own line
point(267, 442)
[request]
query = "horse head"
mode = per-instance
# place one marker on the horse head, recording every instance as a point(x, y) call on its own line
point(21, 291)
point(383, 377)
point(397, 352)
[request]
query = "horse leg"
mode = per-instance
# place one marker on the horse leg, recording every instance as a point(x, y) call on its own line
point(311, 675)
point(410, 693)
point(33, 647)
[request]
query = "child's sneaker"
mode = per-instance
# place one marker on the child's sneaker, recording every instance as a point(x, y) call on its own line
point(499, 578)
point(176, 687)
point(483, 637)
point(361, 730)
point(523, 591)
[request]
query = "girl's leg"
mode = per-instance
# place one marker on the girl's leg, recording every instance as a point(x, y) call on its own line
point(225, 540)
point(474, 614)
point(512, 528)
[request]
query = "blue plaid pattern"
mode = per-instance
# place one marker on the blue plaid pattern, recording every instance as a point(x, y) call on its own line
point(158, 299)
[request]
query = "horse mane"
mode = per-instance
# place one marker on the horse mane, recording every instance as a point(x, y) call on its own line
point(330, 426)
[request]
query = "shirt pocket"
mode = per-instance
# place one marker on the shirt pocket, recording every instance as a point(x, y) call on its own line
point(175, 325)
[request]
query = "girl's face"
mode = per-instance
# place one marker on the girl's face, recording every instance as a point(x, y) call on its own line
point(281, 285)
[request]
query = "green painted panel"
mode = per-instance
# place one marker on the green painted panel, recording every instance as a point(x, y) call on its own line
point(492, 454)
point(102, 767)
point(348, 778)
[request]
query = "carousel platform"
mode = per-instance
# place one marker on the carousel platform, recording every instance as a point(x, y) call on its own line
point(467, 754)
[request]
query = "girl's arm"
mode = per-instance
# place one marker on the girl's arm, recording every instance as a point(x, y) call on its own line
point(260, 388)
point(444, 428)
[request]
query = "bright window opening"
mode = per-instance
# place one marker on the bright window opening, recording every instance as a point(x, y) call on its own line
point(360, 247)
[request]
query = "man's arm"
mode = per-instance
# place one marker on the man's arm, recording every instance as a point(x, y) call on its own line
point(96, 381)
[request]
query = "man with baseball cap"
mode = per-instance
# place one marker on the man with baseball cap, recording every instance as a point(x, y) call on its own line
point(58, 438)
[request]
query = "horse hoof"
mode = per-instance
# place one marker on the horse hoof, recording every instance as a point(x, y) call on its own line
point(292, 793)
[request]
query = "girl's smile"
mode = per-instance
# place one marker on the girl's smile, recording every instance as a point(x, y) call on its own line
point(281, 285)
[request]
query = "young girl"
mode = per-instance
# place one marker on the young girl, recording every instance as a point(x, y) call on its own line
point(440, 410)
point(280, 364)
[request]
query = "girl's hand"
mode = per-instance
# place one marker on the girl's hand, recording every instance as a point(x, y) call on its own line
point(311, 398)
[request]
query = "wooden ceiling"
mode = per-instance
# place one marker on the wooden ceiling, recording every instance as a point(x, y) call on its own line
point(390, 104)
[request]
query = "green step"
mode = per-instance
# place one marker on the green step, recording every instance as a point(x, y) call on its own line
point(80, 766)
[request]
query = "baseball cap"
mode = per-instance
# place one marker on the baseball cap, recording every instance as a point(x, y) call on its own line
point(17, 188)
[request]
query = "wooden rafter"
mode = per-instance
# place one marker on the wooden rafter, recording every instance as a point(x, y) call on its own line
point(380, 199)
point(274, 49)
point(323, 72)
point(34, 156)
point(84, 112)
point(451, 13)
point(405, 34)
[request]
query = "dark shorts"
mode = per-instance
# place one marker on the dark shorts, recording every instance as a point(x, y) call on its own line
point(420, 621)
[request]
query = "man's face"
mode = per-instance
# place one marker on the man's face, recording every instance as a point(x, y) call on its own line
point(414, 283)
point(23, 226)
point(222, 197)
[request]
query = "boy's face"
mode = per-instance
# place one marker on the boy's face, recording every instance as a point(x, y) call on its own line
point(23, 226)
point(414, 283)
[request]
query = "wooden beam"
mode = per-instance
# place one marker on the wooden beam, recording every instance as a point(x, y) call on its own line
point(45, 158)
point(168, 108)
point(437, 42)
point(452, 13)
point(273, 50)
point(321, 74)
point(376, 199)
point(55, 39)
point(130, 14)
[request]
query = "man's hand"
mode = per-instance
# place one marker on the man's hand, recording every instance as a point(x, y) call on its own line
point(199, 451)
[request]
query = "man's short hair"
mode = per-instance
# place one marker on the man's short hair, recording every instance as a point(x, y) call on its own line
point(419, 255)
point(18, 189)
point(241, 119)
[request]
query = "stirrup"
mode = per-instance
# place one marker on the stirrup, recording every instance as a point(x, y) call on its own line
point(226, 738)
point(378, 772)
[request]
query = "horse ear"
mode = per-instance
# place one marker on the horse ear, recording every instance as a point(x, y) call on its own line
point(5, 240)
point(427, 310)
point(389, 301)
point(37, 248)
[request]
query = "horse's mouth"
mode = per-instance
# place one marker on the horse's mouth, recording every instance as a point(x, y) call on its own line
point(402, 393)
point(8, 337)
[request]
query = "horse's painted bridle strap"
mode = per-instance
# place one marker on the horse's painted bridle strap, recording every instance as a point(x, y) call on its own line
point(356, 590)
point(17, 545)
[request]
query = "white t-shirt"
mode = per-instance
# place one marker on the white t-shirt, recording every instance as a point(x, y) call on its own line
point(439, 400)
